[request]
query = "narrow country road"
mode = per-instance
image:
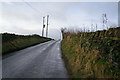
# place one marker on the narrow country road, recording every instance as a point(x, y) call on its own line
point(39, 61)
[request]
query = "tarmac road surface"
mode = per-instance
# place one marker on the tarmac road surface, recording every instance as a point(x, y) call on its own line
point(39, 61)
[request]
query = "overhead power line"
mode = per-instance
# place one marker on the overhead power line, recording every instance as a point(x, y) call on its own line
point(37, 11)
point(27, 3)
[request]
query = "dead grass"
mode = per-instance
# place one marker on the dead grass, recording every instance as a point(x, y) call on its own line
point(93, 54)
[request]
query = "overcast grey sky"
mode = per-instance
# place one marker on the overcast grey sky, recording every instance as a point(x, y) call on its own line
point(20, 18)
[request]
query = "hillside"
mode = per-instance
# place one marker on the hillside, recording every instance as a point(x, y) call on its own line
point(92, 54)
point(13, 42)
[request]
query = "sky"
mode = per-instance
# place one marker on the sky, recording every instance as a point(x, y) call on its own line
point(26, 17)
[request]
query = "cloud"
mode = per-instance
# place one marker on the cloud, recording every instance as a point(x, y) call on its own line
point(61, 0)
point(18, 17)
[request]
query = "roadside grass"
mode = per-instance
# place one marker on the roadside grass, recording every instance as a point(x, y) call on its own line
point(92, 54)
point(12, 42)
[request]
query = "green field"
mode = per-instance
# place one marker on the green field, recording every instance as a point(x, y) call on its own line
point(13, 42)
point(92, 54)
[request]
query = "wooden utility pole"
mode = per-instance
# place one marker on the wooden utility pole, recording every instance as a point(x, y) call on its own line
point(43, 27)
point(47, 26)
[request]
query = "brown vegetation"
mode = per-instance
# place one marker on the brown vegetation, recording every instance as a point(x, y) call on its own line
point(92, 54)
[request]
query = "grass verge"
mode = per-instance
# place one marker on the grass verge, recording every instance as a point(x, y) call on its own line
point(92, 54)
point(12, 42)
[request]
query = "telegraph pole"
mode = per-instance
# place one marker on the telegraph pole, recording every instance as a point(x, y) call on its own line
point(43, 27)
point(47, 26)
point(103, 20)
point(104, 16)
